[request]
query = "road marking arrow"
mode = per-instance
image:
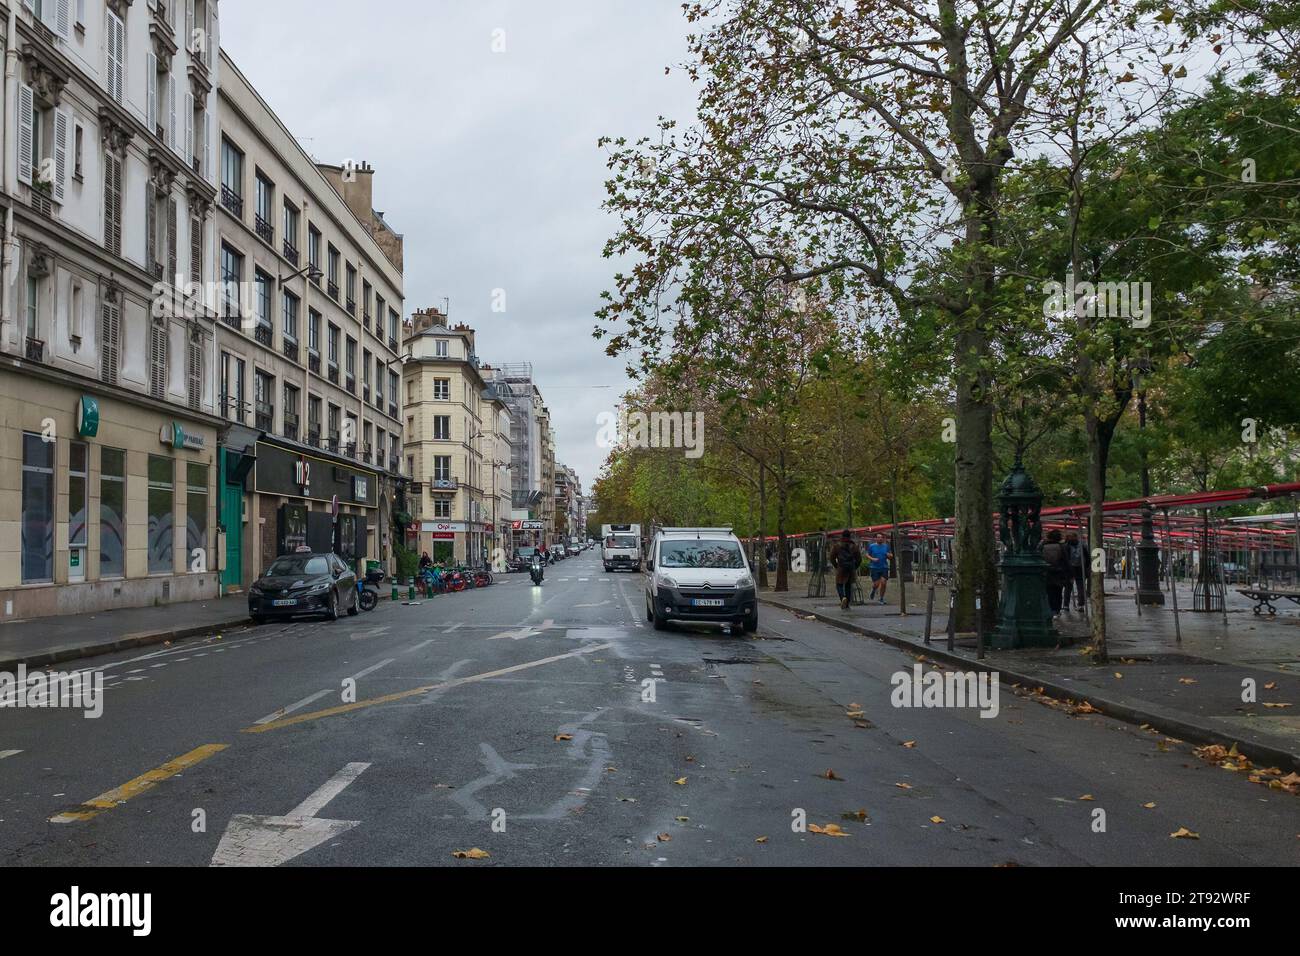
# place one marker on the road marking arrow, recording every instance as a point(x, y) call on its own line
point(271, 841)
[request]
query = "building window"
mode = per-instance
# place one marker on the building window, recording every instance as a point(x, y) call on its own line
point(32, 312)
point(263, 400)
point(332, 273)
point(441, 467)
point(196, 516)
point(313, 250)
point(442, 389)
point(113, 204)
point(264, 283)
point(351, 358)
point(160, 536)
point(350, 289)
point(232, 277)
point(232, 178)
point(313, 420)
point(442, 507)
point(38, 510)
point(313, 331)
point(392, 392)
point(290, 412)
point(440, 348)
point(112, 513)
point(263, 215)
point(334, 436)
point(291, 231)
point(334, 345)
point(115, 55)
point(291, 317)
point(393, 319)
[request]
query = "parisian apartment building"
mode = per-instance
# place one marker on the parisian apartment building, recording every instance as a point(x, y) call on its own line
point(458, 445)
point(199, 325)
point(532, 448)
point(308, 347)
point(108, 404)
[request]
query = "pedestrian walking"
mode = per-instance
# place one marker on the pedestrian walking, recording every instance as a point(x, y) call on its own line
point(846, 557)
point(1076, 591)
point(1057, 557)
point(879, 554)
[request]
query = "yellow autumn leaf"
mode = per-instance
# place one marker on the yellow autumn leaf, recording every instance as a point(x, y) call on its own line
point(680, 781)
point(1087, 796)
point(831, 829)
point(664, 838)
point(937, 819)
point(564, 736)
point(472, 854)
point(903, 786)
point(1187, 680)
point(1270, 704)
point(1119, 676)
point(1182, 833)
point(1271, 685)
point(682, 819)
point(761, 839)
point(909, 744)
point(1148, 806)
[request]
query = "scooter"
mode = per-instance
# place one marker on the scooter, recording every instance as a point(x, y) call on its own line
point(535, 571)
point(368, 591)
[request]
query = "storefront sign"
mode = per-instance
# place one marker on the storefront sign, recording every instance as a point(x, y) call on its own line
point(443, 527)
point(177, 437)
point(88, 416)
point(302, 475)
point(444, 536)
point(528, 525)
point(359, 486)
point(281, 471)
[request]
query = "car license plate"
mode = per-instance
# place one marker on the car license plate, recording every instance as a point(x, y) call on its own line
point(706, 602)
point(287, 603)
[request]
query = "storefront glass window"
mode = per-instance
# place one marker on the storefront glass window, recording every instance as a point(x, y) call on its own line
point(196, 517)
point(112, 513)
point(161, 479)
point(38, 510)
point(77, 459)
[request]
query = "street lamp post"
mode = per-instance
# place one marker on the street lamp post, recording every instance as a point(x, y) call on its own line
point(1149, 591)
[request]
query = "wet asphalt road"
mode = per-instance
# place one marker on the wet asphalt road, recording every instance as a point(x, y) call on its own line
point(410, 733)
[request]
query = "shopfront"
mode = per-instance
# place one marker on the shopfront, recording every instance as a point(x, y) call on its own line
point(306, 500)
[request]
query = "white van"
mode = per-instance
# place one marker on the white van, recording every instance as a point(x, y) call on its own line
point(699, 575)
point(621, 546)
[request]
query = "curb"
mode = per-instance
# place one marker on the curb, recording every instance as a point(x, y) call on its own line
point(141, 639)
point(1170, 724)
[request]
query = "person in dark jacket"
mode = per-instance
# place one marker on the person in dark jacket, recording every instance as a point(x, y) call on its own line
point(846, 557)
point(1076, 591)
point(1058, 570)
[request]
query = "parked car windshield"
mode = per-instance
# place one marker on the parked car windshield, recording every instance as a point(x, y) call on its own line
point(700, 554)
point(304, 564)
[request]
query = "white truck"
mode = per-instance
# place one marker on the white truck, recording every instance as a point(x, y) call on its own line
point(620, 546)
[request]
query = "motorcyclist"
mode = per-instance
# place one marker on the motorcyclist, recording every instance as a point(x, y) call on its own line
point(537, 568)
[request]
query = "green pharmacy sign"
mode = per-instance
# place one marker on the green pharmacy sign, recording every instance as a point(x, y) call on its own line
point(88, 416)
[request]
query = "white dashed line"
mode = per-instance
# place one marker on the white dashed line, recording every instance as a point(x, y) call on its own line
point(291, 708)
point(9, 753)
point(372, 669)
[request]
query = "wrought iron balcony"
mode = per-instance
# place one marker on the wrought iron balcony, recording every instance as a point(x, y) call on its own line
point(264, 335)
point(291, 426)
point(291, 252)
point(264, 230)
point(351, 384)
point(313, 362)
point(333, 374)
point(392, 410)
point(232, 201)
point(333, 290)
point(265, 417)
point(35, 350)
point(365, 393)
point(313, 437)
point(290, 350)
point(395, 465)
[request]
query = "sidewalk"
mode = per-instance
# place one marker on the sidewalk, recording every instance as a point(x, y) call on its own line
point(40, 642)
point(1192, 690)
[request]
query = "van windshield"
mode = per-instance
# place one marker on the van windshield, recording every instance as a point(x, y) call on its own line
point(700, 554)
point(627, 541)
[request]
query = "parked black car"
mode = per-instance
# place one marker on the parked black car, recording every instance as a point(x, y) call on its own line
point(304, 583)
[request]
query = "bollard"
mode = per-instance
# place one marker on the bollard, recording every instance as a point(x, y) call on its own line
point(929, 612)
point(952, 617)
point(394, 587)
point(428, 588)
point(410, 588)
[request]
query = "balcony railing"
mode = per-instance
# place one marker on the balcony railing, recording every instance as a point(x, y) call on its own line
point(365, 393)
point(265, 417)
point(290, 350)
point(232, 201)
point(365, 320)
point(332, 443)
point(392, 410)
point(392, 343)
point(291, 427)
point(367, 452)
point(291, 252)
point(333, 374)
point(264, 230)
point(313, 436)
point(35, 350)
point(350, 451)
point(264, 335)
point(333, 290)
point(313, 362)
point(395, 465)
point(351, 384)
point(352, 306)
point(231, 319)
point(444, 484)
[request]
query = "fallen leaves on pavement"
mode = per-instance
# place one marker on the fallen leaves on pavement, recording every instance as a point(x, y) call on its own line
point(1230, 759)
point(680, 781)
point(472, 854)
point(859, 815)
point(831, 829)
point(564, 736)
point(1182, 833)
point(937, 819)
point(831, 775)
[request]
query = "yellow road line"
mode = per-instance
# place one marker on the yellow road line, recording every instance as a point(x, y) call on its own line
point(416, 692)
point(133, 788)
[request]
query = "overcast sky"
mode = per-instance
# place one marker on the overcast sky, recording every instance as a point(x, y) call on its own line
point(486, 162)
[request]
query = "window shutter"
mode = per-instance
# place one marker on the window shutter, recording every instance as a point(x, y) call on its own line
point(62, 24)
point(113, 204)
point(150, 228)
point(151, 110)
point(207, 145)
point(171, 242)
point(158, 361)
point(62, 130)
point(110, 332)
point(26, 134)
point(196, 250)
point(116, 56)
point(194, 377)
point(188, 154)
point(171, 111)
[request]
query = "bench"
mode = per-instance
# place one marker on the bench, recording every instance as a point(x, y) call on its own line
point(1265, 596)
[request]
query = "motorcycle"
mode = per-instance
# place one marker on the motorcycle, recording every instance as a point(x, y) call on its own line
point(535, 571)
point(368, 590)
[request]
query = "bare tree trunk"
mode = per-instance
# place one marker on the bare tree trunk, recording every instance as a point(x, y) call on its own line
point(973, 533)
point(1096, 540)
point(762, 526)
